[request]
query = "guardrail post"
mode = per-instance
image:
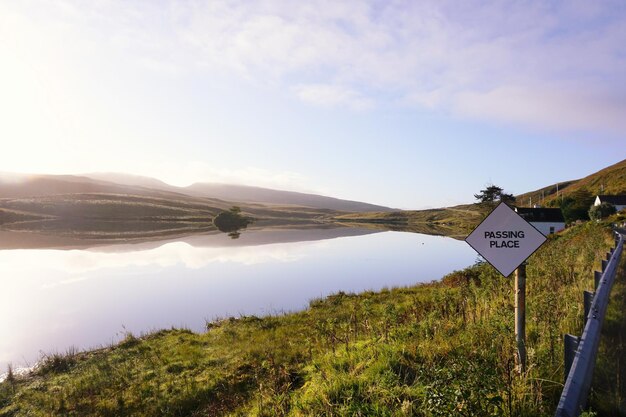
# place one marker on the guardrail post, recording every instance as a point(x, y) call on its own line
point(604, 264)
point(597, 276)
point(570, 344)
point(587, 300)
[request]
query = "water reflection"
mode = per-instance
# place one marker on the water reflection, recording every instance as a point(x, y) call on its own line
point(52, 299)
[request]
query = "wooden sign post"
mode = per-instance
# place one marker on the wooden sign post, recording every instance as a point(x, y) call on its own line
point(520, 317)
point(506, 240)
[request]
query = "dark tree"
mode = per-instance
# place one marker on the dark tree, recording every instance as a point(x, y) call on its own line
point(601, 211)
point(575, 206)
point(493, 194)
point(231, 222)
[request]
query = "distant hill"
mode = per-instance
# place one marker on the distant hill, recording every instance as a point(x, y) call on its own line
point(119, 206)
point(459, 220)
point(242, 193)
point(249, 194)
point(454, 221)
point(610, 180)
point(132, 180)
point(25, 186)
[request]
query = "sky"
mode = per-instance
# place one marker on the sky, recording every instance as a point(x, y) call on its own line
point(408, 104)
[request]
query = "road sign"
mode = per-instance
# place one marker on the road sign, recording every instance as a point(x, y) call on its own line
point(505, 239)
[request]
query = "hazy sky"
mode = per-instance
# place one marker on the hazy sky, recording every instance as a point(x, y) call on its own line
point(409, 104)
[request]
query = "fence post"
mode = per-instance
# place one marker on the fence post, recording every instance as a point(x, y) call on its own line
point(587, 300)
point(570, 344)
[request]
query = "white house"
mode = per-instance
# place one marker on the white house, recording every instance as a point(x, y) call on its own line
point(619, 201)
point(546, 220)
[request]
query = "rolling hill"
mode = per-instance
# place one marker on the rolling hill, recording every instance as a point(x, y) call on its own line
point(125, 206)
point(247, 194)
point(457, 221)
point(610, 180)
point(98, 203)
point(242, 193)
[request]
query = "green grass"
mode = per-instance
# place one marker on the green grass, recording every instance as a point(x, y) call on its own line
point(439, 349)
point(455, 221)
point(610, 180)
point(109, 207)
point(608, 396)
point(125, 216)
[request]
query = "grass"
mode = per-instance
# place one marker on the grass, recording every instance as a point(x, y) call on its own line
point(439, 349)
point(455, 221)
point(126, 216)
point(608, 396)
point(610, 180)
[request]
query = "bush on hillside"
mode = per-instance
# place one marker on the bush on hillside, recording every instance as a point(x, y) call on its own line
point(601, 211)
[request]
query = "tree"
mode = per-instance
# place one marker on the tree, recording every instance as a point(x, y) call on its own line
point(601, 211)
point(493, 194)
point(231, 221)
point(575, 206)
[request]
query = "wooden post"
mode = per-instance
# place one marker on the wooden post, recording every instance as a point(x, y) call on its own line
point(520, 317)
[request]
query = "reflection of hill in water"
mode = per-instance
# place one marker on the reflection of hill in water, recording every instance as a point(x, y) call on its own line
point(132, 240)
point(432, 229)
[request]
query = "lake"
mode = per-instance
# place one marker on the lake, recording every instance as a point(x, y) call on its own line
point(85, 297)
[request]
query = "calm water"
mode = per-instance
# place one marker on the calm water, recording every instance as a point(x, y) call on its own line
point(53, 299)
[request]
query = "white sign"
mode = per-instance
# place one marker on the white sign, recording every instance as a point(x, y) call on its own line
point(505, 239)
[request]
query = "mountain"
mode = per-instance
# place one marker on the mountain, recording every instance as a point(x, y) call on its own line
point(132, 180)
point(119, 206)
point(610, 180)
point(242, 193)
point(459, 220)
point(24, 186)
point(247, 194)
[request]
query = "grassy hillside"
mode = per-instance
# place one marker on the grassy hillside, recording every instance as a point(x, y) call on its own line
point(246, 194)
point(610, 180)
point(575, 198)
point(125, 216)
point(21, 186)
point(28, 186)
point(439, 349)
point(105, 216)
point(139, 207)
point(455, 221)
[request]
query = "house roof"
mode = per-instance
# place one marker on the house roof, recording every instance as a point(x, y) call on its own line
point(613, 199)
point(538, 215)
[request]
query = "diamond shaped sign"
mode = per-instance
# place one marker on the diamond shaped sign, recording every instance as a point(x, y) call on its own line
point(505, 239)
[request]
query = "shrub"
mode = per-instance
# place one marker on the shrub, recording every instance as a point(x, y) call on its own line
point(601, 211)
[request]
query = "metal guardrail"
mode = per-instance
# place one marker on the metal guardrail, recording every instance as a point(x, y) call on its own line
point(581, 352)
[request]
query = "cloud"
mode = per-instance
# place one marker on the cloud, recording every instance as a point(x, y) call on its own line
point(332, 96)
point(492, 60)
point(77, 263)
point(531, 63)
point(551, 107)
